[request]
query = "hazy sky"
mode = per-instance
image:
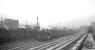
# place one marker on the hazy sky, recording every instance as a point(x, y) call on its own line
point(50, 12)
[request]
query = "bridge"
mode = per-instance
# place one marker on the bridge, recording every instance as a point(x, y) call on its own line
point(72, 42)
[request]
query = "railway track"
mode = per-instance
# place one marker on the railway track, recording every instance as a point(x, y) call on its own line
point(56, 44)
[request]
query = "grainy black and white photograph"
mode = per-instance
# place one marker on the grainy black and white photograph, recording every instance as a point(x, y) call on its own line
point(47, 24)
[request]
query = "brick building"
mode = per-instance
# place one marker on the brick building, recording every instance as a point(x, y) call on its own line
point(11, 24)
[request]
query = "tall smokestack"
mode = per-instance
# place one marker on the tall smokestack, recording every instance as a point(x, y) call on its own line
point(38, 26)
point(37, 22)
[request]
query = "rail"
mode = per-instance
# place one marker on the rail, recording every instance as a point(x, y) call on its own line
point(79, 44)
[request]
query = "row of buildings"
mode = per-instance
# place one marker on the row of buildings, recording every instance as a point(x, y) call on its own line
point(13, 24)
